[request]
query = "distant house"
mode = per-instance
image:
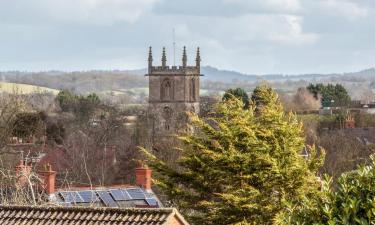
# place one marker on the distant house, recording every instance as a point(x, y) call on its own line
point(14, 215)
point(139, 195)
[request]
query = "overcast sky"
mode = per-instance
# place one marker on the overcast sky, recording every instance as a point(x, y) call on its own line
point(250, 36)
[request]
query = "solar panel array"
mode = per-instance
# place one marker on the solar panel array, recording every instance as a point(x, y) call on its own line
point(109, 197)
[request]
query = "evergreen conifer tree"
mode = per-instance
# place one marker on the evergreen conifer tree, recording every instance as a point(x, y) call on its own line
point(240, 167)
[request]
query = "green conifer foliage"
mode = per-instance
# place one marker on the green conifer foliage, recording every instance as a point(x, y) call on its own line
point(240, 167)
point(352, 201)
point(238, 93)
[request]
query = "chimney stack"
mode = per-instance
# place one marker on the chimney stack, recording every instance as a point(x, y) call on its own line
point(23, 171)
point(49, 178)
point(143, 177)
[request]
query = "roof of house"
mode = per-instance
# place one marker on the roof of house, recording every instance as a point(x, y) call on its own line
point(41, 215)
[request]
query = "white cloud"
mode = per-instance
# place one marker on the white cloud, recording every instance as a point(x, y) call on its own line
point(81, 11)
point(276, 6)
point(347, 8)
point(250, 35)
point(293, 33)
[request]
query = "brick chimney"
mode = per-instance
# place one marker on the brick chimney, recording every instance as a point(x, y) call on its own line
point(23, 171)
point(49, 178)
point(143, 176)
point(349, 122)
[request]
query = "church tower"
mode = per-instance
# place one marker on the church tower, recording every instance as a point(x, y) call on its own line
point(173, 91)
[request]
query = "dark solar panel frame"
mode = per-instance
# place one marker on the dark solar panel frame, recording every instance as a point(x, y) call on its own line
point(107, 198)
point(88, 196)
point(136, 193)
point(152, 202)
point(71, 196)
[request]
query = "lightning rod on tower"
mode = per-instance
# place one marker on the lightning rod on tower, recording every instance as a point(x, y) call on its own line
point(174, 47)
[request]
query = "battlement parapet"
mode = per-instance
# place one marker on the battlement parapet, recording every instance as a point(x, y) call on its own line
point(174, 70)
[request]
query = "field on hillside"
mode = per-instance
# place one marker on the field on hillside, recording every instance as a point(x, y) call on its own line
point(25, 88)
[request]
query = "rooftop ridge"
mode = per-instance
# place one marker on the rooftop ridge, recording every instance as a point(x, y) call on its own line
point(46, 214)
point(86, 209)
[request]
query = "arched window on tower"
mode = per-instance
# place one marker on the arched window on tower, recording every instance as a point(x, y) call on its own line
point(166, 90)
point(192, 90)
point(167, 114)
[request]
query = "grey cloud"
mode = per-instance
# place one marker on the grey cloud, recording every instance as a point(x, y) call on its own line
point(249, 36)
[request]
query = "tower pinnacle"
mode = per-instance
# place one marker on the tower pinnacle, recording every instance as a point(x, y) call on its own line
point(164, 59)
point(184, 58)
point(150, 59)
point(198, 59)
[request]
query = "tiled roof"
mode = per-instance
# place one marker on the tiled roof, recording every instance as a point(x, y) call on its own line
point(15, 215)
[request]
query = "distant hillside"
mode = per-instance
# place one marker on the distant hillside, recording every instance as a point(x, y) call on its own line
point(213, 74)
point(213, 79)
point(24, 88)
point(79, 82)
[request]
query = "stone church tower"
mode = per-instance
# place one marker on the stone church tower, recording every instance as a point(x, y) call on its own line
point(172, 92)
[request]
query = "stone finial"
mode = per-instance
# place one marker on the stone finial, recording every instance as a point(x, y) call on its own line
point(184, 58)
point(150, 56)
point(150, 59)
point(198, 59)
point(164, 59)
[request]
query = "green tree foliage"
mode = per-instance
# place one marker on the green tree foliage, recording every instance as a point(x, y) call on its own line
point(81, 106)
point(238, 93)
point(240, 167)
point(331, 95)
point(263, 95)
point(93, 98)
point(351, 202)
point(67, 100)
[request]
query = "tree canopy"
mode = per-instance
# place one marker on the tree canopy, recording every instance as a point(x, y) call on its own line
point(351, 201)
point(82, 106)
point(238, 93)
point(240, 166)
point(331, 95)
point(264, 95)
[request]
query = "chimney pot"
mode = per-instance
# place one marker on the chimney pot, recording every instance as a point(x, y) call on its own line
point(143, 177)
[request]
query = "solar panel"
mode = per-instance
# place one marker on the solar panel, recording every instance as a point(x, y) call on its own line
point(136, 193)
point(88, 196)
point(107, 198)
point(127, 196)
point(119, 195)
point(71, 196)
point(151, 202)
